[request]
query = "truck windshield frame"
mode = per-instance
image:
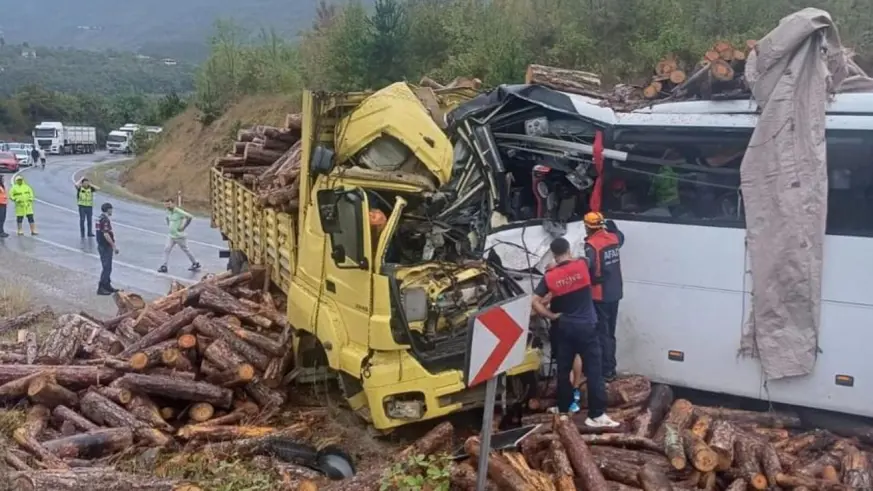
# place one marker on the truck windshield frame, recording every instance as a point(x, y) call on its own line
point(116, 138)
point(45, 133)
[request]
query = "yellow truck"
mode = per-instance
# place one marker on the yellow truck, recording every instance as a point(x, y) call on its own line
point(382, 263)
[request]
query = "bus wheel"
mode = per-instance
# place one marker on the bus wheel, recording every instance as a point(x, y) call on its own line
point(237, 262)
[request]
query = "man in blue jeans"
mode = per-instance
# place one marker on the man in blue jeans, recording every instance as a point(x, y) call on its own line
point(107, 248)
point(573, 317)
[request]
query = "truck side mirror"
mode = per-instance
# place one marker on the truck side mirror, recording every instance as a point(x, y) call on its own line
point(321, 161)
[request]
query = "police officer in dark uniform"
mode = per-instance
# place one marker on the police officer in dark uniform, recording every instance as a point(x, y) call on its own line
point(572, 315)
point(602, 251)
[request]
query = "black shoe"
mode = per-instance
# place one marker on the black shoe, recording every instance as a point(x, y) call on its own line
point(90, 235)
point(194, 267)
point(104, 291)
point(611, 377)
point(162, 269)
point(3, 235)
point(112, 289)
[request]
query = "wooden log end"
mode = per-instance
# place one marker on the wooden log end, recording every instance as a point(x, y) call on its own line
point(678, 76)
point(758, 481)
point(711, 55)
point(201, 411)
point(651, 91)
point(187, 341)
point(721, 70)
point(139, 361)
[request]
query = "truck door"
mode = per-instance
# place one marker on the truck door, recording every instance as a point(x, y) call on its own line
point(347, 267)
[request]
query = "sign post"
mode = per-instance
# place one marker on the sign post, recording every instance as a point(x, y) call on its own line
point(497, 342)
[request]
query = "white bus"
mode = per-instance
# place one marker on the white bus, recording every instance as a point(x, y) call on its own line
point(686, 272)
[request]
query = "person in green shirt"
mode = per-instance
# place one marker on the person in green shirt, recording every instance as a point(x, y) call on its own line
point(178, 220)
point(85, 200)
point(665, 187)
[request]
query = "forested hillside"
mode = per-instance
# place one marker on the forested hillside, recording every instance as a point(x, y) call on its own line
point(96, 72)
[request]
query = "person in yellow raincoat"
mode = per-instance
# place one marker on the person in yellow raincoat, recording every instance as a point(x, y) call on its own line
point(22, 195)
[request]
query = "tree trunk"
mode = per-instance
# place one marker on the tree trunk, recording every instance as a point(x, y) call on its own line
point(563, 469)
point(722, 443)
point(16, 389)
point(150, 356)
point(257, 155)
point(63, 342)
point(93, 479)
point(115, 394)
point(659, 404)
point(573, 81)
point(770, 464)
point(177, 388)
point(772, 419)
point(674, 446)
point(261, 342)
point(101, 410)
point(235, 377)
point(148, 412)
point(698, 452)
point(216, 331)
point(70, 376)
point(623, 440)
point(580, 456)
point(679, 418)
point(91, 445)
point(24, 320)
point(653, 479)
point(65, 414)
point(165, 331)
point(43, 390)
point(747, 460)
point(225, 303)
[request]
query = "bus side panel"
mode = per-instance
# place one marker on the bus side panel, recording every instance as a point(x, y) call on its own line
point(845, 336)
point(684, 294)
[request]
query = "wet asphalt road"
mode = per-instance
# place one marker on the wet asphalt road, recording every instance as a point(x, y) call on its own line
point(140, 232)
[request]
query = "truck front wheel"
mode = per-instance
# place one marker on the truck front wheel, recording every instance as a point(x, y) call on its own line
point(237, 262)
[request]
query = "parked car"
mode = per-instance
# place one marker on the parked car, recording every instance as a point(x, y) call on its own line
point(23, 156)
point(8, 162)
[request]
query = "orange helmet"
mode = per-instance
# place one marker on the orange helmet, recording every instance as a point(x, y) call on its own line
point(594, 219)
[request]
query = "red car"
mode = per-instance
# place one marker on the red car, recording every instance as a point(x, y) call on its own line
point(8, 162)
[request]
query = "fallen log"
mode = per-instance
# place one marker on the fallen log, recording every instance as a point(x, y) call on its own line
point(622, 440)
point(43, 390)
point(116, 394)
point(103, 411)
point(856, 469)
point(63, 342)
point(722, 443)
point(216, 331)
point(201, 412)
point(772, 419)
point(93, 479)
point(255, 154)
point(31, 349)
point(701, 426)
point(659, 404)
point(679, 417)
point(563, 469)
point(235, 377)
point(579, 455)
point(65, 414)
point(674, 447)
point(220, 301)
point(770, 464)
point(148, 412)
point(221, 433)
point(698, 452)
point(164, 332)
point(24, 320)
point(177, 388)
point(573, 81)
point(150, 356)
point(92, 444)
point(747, 464)
point(26, 436)
point(17, 388)
point(653, 479)
point(498, 470)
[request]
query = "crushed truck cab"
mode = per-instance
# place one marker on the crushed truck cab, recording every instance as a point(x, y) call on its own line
point(382, 263)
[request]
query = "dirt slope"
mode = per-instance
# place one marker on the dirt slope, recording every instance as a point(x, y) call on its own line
point(181, 160)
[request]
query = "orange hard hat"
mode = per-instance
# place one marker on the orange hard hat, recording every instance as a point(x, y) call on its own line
point(594, 219)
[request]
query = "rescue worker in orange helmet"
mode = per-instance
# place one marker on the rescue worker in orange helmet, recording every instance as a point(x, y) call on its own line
point(602, 243)
point(572, 315)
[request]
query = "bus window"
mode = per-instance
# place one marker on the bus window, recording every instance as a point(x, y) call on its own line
point(850, 184)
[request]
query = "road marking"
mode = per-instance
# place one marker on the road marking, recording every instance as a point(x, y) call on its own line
point(119, 224)
point(115, 261)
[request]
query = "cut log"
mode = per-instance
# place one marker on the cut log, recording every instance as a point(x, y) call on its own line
point(738, 485)
point(277, 369)
point(32, 445)
point(532, 478)
point(573, 81)
point(748, 467)
point(36, 421)
point(801, 442)
point(93, 479)
point(563, 468)
point(698, 452)
point(127, 302)
point(498, 470)
point(103, 411)
point(177, 388)
point(260, 341)
point(148, 412)
point(464, 477)
point(770, 464)
point(221, 433)
point(579, 455)
point(43, 390)
point(7, 358)
point(674, 447)
point(294, 121)
point(657, 407)
point(243, 412)
point(619, 471)
point(721, 70)
point(24, 320)
point(216, 331)
point(70, 376)
point(201, 412)
point(622, 440)
point(701, 426)
point(115, 394)
point(151, 356)
point(31, 349)
point(225, 303)
point(266, 397)
point(653, 479)
point(666, 66)
point(797, 481)
point(173, 358)
point(91, 445)
point(830, 474)
point(127, 333)
point(284, 135)
point(817, 466)
point(14, 461)
point(771, 434)
point(679, 417)
point(677, 77)
point(856, 469)
point(722, 443)
point(67, 415)
point(62, 343)
point(708, 481)
point(235, 377)
point(187, 341)
point(16, 389)
point(164, 332)
point(255, 154)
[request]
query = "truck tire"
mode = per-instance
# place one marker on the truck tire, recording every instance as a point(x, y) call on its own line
point(237, 262)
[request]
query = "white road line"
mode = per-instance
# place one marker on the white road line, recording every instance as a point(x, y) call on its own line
point(117, 223)
point(115, 261)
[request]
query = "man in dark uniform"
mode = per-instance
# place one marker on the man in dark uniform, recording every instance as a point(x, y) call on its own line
point(107, 248)
point(601, 249)
point(572, 315)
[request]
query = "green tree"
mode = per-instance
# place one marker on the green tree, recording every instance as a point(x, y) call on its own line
point(388, 37)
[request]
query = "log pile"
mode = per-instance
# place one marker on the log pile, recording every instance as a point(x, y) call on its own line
point(266, 159)
point(198, 365)
point(665, 444)
point(718, 75)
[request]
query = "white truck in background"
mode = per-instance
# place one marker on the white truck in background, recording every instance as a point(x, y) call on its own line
point(121, 140)
point(59, 139)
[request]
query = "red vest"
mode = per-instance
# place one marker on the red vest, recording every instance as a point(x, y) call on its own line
point(3, 198)
point(603, 242)
point(568, 277)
